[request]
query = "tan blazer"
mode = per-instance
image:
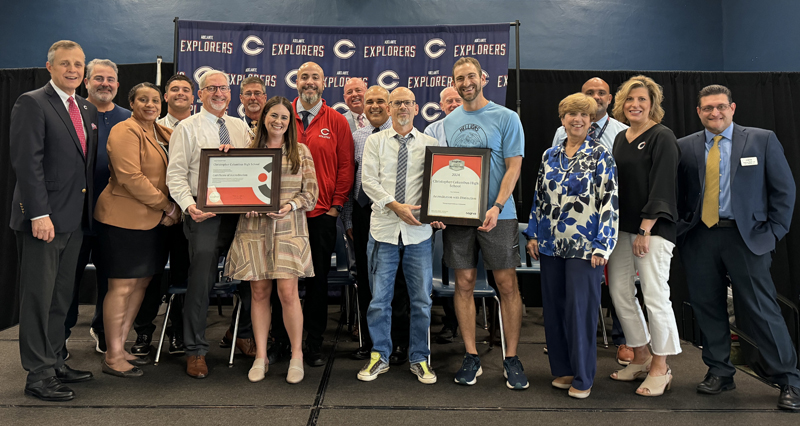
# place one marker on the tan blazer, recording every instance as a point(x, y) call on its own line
point(137, 192)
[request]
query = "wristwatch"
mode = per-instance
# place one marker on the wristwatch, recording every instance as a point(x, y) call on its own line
point(499, 207)
point(338, 208)
point(644, 233)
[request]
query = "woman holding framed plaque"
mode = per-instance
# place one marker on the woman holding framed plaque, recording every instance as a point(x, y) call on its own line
point(131, 211)
point(274, 246)
point(572, 231)
point(647, 157)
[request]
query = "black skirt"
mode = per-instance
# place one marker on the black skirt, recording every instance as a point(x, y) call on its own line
point(132, 253)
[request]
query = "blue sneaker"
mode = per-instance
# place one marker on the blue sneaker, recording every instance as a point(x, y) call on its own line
point(514, 373)
point(470, 370)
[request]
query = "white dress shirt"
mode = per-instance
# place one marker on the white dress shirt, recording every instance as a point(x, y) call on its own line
point(379, 178)
point(168, 121)
point(65, 100)
point(195, 133)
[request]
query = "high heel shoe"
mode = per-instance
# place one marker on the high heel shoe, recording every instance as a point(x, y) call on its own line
point(656, 385)
point(257, 371)
point(633, 371)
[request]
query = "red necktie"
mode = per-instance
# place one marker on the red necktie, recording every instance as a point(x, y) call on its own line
point(75, 116)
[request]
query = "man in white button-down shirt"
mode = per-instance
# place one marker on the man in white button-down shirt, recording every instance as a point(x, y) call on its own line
point(208, 234)
point(391, 175)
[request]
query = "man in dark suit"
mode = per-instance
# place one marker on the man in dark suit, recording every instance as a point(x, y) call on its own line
point(53, 148)
point(735, 200)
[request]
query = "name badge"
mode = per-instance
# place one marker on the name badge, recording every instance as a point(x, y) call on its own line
point(749, 161)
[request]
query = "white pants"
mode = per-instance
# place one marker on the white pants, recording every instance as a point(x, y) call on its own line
point(653, 274)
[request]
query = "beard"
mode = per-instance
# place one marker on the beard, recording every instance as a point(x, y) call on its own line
point(102, 96)
point(310, 99)
point(404, 121)
point(217, 105)
point(475, 94)
point(254, 107)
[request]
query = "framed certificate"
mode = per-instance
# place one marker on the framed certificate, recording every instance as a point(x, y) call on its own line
point(455, 189)
point(240, 180)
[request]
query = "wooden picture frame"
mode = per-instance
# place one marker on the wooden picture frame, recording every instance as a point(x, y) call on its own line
point(455, 187)
point(240, 180)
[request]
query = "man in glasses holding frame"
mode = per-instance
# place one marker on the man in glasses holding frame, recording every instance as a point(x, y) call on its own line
point(209, 235)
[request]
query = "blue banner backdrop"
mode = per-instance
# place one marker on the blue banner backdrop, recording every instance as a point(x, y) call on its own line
point(420, 58)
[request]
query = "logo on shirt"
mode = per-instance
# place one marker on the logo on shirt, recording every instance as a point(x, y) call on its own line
point(325, 133)
point(469, 136)
point(641, 145)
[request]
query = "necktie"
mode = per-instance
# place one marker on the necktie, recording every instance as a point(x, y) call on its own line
point(362, 198)
point(360, 121)
point(710, 214)
point(305, 115)
point(224, 137)
point(75, 116)
point(592, 131)
point(402, 160)
point(253, 125)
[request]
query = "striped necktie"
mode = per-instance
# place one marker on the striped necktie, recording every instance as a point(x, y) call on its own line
point(402, 169)
point(224, 137)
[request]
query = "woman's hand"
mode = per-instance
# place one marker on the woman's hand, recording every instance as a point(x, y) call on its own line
point(533, 248)
point(252, 214)
point(598, 261)
point(167, 220)
point(438, 225)
point(641, 245)
point(280, 214)
point(225, 147)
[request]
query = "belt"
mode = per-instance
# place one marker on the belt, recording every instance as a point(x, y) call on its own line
point(725, 223)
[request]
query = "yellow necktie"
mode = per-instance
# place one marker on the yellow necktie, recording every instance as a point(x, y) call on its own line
point(711, 196)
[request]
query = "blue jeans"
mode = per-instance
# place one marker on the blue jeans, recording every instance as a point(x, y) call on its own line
point(383, 260)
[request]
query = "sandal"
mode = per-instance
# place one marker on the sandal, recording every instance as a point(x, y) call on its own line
point(633, 371)
point(656, 385)
point(258, 370)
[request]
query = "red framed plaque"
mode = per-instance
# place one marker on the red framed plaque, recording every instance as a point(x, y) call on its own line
point(455, 189)
point(240, 180)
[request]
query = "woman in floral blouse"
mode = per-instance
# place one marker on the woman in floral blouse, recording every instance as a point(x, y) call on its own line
point(572, 231)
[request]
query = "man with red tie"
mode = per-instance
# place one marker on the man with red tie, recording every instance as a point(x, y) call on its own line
point(54, 134)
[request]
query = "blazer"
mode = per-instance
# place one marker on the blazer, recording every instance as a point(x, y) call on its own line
point(762, 194)
point(54, 177)
point(351, 120)
point(137, 192)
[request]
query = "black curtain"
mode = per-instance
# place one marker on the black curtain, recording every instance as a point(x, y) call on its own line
point(765, 100)
point(13, 83)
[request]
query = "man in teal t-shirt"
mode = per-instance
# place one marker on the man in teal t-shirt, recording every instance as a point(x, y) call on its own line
point(480, 123)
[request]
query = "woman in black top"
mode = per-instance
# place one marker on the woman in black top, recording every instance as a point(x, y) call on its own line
point(647, 157)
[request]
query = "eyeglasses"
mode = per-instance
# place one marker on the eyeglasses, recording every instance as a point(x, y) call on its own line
point(710, 108)
point(220, 89)
point(250, 94)
point(398, 104)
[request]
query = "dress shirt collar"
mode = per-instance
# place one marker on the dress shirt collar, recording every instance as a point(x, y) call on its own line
point(393, 133)
point(172, 120)
point(61, 94)
point(314, 109)
point(726, 134)
point(601, 122)
point(383, 126)
point(205, 114)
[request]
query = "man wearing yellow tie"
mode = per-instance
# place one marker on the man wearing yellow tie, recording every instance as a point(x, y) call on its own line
point(735, 200)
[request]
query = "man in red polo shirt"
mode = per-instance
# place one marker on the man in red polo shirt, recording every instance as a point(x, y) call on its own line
point(327, 135)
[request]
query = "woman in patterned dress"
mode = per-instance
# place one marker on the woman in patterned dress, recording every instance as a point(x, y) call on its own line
point(572, 231)
point(274, 246)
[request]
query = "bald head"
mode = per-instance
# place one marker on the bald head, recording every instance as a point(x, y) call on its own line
point(403, 108)
point(449, 100)
point(310, 83)
point(599, 90)
point(376, 108)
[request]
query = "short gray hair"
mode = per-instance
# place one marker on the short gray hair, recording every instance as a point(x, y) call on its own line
point(253, 80)
point(104, 62)
point(208, 74)
point(441, 94)
point(61, 44)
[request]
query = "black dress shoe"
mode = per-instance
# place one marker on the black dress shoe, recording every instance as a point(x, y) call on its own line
point(313, 355)
point(133, 372)
point(713, 385)
point(176, 345)
point(399, 356)
point(66, 374)
point(140, 361)
point(446, 335)
point(790, 398)
point(361, 353)
point(49, 389)
point(278, 352)
point(142, 346)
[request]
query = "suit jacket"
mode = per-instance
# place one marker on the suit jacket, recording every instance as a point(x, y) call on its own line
point(762, 195)
point(351, 120)
point(53, 175)
point(137, 191)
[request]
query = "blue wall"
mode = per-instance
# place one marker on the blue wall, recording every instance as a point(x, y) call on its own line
point(732, 35)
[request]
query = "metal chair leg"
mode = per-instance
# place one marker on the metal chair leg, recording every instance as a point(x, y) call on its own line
point(485, 316)
point(502, 332)
point(603, 325)
point(358, 319)
point(235, 327)
point(219, 305)
point(163, 330)
point(429, 347)
point(347, 307)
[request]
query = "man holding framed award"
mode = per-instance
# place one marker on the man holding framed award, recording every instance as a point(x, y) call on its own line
point(391, 176)
point(480, 123)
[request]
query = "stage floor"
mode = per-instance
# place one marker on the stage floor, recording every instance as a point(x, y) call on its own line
point(331, 394)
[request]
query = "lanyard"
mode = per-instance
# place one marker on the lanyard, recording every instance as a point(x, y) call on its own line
point(603, 130)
